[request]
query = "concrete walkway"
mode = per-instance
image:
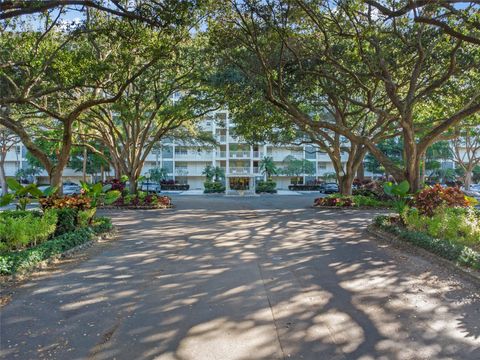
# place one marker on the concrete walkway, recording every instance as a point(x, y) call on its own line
point(244, 278)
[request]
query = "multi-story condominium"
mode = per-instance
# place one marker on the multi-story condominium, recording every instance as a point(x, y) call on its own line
point(185, 162)
point(241, 161)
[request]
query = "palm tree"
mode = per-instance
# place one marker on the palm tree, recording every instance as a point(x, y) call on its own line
point(267, 167)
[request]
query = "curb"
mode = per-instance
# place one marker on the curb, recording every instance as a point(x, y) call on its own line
point(398, 243)
point(134, 207)
point(352, 208)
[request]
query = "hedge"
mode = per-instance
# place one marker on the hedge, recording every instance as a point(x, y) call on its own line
point(176, 187)
point(22, 261)
point(213, 187)
point(15, 214)
point(301, 187)
point(446, 249)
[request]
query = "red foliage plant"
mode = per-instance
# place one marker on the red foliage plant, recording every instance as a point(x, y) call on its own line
point(334, 201)
point(430, 198)
point(78, 202)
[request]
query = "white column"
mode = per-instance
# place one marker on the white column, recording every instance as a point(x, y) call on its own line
point(227, 152)
point(251, 159)
point(173, 161)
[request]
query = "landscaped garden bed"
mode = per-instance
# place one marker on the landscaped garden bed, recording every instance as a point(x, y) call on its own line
point(29, 238)
point(172, 186)
point(370, 195)
point(266, 187)
point(352, 201)
point(301, 187)
point(213, 187)
point(141, 200)
point(440, 220)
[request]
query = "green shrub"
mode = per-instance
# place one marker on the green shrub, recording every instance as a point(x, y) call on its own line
point(351, 201)
point(30, 229)
point(67, 220)
point(361, 200)
point(15, 214)
point(213, 187)
point(266, 187)
point(102, 225)
point(460, 225)
point(447, 249)
point(22, 261)
point(84, 217)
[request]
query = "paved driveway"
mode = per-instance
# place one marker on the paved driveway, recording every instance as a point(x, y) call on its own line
point(244, 278)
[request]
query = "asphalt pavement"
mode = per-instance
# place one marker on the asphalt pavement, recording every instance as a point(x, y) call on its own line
point(265, 277)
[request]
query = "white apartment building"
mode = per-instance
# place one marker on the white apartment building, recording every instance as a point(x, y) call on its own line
point(240, 160)
point(185, 162)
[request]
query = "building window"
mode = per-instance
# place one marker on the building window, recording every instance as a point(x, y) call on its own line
point(181, 150)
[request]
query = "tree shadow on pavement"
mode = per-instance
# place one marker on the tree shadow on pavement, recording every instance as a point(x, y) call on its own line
point(245, 283)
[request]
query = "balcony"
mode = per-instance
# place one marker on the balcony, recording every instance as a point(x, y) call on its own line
point(236, 139)
point(239, 171)
point(221, 154)
point(221, 138)
point(193, 156)
point(239, 154)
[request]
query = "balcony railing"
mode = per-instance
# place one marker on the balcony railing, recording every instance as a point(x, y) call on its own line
point(221, 154)
point(221, 138)
point(239, 154)
point(194, 155)
point(239, 170)
point(243, 170)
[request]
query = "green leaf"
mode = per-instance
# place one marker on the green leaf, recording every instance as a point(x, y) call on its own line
point(49, 191)
point(97, 188)
point(106, 188)
point(14, 184)
point(34, 190)
point(403, 187)
point(387, 187)
point(6, 200)
point(112, 196)
point(84, 186)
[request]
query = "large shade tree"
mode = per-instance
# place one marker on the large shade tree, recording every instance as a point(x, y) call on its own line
point(50, 77)
point(279, 55)
point(54, 72)
point(168, 97)
point(390, 68)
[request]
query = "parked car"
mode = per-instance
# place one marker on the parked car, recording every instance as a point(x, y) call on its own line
point(149, 187)
point(475, 187)
point(71, 189)
point(329, 188)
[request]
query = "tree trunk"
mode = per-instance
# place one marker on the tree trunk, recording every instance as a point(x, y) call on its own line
point(84, 164)
point(55, 177)
point(345, 183)
point(3, 178)
point(468, 178)
point(423, 171)
point(412, 174)
point(118, 172)
point(132, 187)
point(361, 172)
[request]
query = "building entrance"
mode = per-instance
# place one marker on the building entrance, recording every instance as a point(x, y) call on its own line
point(239, 183)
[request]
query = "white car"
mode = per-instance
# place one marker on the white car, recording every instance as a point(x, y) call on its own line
point(71, 189)
point(475, 187)
point(149, 187)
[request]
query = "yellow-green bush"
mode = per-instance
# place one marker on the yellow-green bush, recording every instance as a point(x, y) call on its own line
point(29, 230)
point(461, 225)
